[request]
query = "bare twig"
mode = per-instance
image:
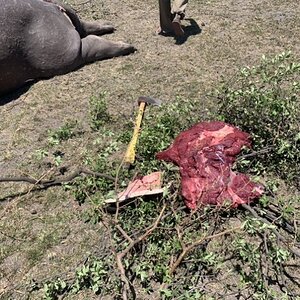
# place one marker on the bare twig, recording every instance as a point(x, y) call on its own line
point(255, 153)
point(274, 217)
point(116, 189)
point(25, 193)
point(121, 255)
point(265, 243)
point(84, 2)
point(125, 235)
point(145, 235)
point(189, 248)
point(11, 237)
point(56, 181)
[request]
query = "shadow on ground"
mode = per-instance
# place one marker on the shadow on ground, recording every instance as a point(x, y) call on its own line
point(190, 30)
point(16, 94)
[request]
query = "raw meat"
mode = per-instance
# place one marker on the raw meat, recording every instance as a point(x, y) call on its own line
point(205, 154)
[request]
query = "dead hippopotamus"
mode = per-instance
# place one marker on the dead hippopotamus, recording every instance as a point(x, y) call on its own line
point(44, 38)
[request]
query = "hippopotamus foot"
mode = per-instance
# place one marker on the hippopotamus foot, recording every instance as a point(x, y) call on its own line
point(97, 28)
point(97, 48)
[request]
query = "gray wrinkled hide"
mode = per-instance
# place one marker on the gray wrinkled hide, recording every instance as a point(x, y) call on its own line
point(41, 39)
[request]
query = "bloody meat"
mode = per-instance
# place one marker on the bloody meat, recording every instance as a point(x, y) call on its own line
point(205, 154)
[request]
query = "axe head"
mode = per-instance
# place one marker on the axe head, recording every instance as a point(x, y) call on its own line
point(149, 100)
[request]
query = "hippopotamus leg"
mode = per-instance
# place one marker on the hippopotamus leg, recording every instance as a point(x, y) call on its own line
point(96, 48)
point(93, 47)
point(46, 38)
point(96, 28)
point(84, 28)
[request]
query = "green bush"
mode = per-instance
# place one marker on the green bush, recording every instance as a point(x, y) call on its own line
point(264, 101)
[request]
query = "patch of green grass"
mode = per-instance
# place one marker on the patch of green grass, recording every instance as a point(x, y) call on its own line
point(64, 133)
point(53, 289)
point(98, 111)
point(231, 252)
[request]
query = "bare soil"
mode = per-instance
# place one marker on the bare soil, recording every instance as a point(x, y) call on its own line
point(41, 233)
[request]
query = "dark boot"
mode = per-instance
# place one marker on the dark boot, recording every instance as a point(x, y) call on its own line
point(176, 25)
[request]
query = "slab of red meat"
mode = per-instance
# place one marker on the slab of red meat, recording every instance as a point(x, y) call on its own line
point(205, 154)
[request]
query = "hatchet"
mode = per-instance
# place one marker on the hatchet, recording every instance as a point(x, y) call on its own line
point(142, 102)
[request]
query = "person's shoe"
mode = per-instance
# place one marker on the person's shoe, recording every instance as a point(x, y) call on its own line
point(176, 25)
point(164, 32)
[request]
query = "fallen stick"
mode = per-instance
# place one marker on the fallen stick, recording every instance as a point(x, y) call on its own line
point(56, 181)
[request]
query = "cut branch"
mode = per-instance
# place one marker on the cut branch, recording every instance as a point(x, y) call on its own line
point(187, 249)
point(56, 181)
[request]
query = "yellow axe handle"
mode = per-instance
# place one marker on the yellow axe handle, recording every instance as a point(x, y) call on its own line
point(130, 153)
